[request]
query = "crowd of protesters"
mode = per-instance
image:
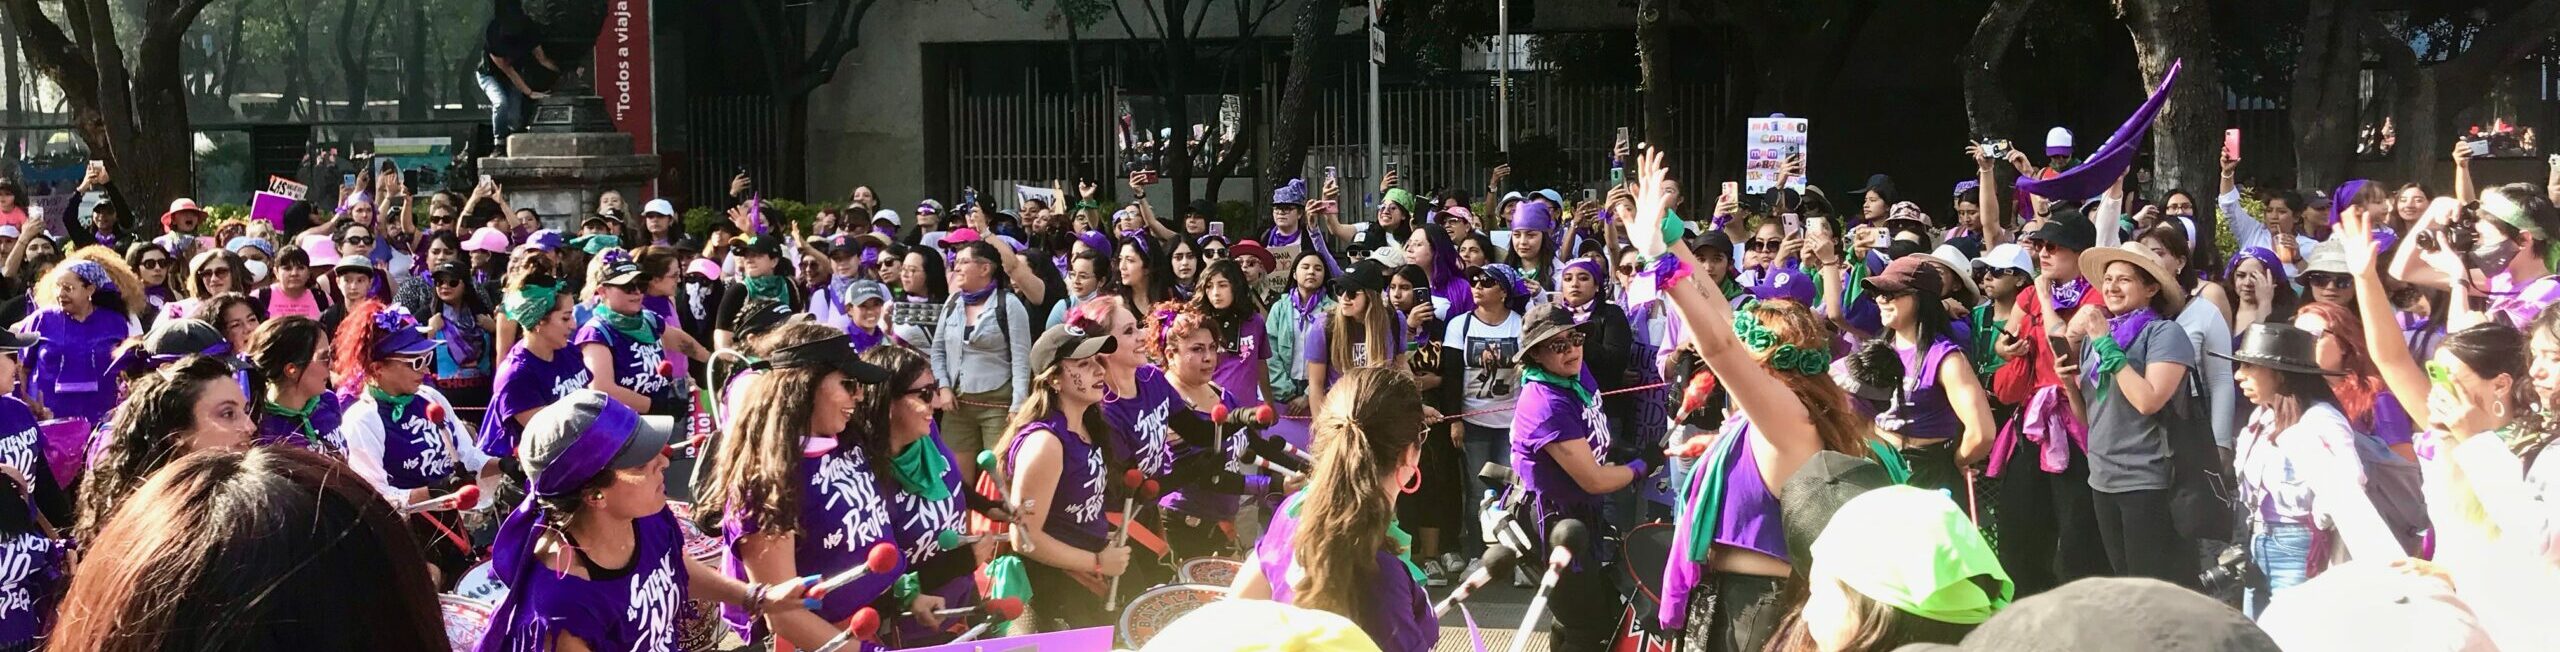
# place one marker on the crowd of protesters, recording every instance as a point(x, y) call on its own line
point(2044, 419)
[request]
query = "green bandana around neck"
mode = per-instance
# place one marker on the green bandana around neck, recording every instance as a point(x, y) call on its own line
point(633, 326)
point(301, 416)
point(920, 470)
point(526, 306)
point(770, 286)
point(1395, 532)
point(398, 403)
point(1536, 374)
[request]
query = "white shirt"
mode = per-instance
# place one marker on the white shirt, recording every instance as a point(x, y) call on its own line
point(2248, 232)
point(361, 428)
point(1492, 380)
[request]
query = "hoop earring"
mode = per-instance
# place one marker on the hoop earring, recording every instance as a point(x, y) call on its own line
point(1413, 483)
point(2500, 412)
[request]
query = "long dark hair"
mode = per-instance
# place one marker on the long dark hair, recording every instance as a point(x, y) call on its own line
point(285, 342)
point(270, 548)
point(1159, 271)
point(754, 467)
point(1230, 320)
point(147, 433)
point(937, 283)
point(870, 426)
point(1362, 433)
point(2295, 393)
point(2492, 350)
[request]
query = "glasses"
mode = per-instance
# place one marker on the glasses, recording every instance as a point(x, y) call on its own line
point(2327, 280)
point(155, 263)
point(927, 390)
point(1214, 252)
point(2003, 272)
point(1769, 245)
point(417, 363)
point(448, 282)
point(1484, 283)
point(1626, 270)
point(1563, 342)
point(360, 241)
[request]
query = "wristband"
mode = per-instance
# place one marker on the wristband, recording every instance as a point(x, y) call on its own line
point(1667, 271)
point(755, 597)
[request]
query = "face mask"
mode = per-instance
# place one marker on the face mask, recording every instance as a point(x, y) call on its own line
point(2493, 256)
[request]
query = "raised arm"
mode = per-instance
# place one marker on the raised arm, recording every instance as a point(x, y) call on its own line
point(1987, 185)
point(2400, 369)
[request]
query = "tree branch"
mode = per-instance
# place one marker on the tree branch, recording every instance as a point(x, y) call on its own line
point(2507, 39)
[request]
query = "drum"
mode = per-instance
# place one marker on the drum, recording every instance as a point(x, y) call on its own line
point(699, 628)
point(1157, 608)
point(481, 583)
point(1641, 555)
point(1213, 571)
point(466, 620)
point(701, 547)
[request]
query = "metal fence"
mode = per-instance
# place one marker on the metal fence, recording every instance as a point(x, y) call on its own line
point(731, 133)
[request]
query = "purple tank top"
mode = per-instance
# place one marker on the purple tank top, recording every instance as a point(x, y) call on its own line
point(524, 383)
point(638, 366)
point(1547, 415)
point(920, 524)
point(1922, 411)
point(1075, 513)
point(1139, 421)
point(280, 430)
point(1190, 498)
point(842, 514)
point(33, 571)
point(416, 452)
point(635, 611)
point(1399, 615)
point(1749, 519)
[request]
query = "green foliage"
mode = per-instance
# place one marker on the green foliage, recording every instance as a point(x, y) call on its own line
point(780, 216)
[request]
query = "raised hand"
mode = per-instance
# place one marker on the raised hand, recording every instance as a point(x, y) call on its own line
point(2355, 235)
point(1653, 200)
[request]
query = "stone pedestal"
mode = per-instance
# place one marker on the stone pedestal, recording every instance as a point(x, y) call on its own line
point(560, 175)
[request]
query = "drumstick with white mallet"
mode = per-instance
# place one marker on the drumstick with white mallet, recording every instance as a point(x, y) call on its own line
point(1562, 540)
point(1495, 556)
point(464, 498)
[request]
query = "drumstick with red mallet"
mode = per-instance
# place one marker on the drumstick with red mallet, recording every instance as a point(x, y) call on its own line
point(997, 611)
point(882, 559)
point(863, 626)
point(1137, 483)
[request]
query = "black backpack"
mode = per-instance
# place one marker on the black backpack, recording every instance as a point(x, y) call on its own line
point(2202, 497)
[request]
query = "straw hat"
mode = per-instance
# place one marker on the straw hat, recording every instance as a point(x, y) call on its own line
point(2094, 263)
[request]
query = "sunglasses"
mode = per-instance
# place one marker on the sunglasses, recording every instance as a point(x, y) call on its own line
point(1563, 342)
point(2327, 280)
point(2003, 272)
point(1768, 245)
point(359, 241)
point(417, 363)
point(448, 282)
point(1485, 283)
point(155, 263)
point(1214, 252)
point(927, 391)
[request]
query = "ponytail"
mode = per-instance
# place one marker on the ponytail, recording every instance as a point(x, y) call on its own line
point(1362, 434)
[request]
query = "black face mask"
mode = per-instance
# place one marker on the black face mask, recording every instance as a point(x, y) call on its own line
point(2492, 257)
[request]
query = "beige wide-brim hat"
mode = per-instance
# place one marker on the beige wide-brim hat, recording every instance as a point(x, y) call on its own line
point(2094, 262)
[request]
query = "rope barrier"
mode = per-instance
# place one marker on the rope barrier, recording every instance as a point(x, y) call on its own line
point(1309, 417)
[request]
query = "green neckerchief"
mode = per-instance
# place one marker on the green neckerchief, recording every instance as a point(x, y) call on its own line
point(907, 587)
point(1852, 291)
point(302, 415)
point(1538, 375)
point(920, 470)
point(1395, 532)
point(1709, 501)
point(2110, 358)
point(1732, 288)
point(632, 326)
point(398, 403)
point(769, 286)
point(1895, 468)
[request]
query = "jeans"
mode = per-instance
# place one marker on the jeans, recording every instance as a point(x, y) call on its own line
point(1484, 445)
point(506, 106)
point(2280, 553)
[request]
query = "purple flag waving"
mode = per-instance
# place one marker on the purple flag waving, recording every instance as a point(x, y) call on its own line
point(2112, 159)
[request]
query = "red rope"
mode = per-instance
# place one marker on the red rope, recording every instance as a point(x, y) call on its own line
point(1308, 417)
point(457, 539)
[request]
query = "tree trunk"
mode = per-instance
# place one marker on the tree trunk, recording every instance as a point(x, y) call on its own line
point(17, 100)
point(1295, 131)
point(413, 64)
point(1649, 70)
point(1171, 72)
point(2322, 105)
point(351, 68)
point(227, 79)
point(2186, 138)
point(1987, 107)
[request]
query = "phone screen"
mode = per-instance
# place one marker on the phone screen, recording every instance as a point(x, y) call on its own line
point(2231, 144)
point(1218, 229)
point(2063, 351)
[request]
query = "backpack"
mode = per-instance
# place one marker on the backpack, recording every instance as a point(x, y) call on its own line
point(2203, 500)
point(2392, 483)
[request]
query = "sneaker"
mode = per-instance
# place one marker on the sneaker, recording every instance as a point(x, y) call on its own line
point(1452, 561)
point(1432, 574)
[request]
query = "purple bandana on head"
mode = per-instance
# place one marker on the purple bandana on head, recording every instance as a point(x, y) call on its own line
point(512, 551)
point(92, 273)
point(1293, 193)
point(2345, 196)
point(2265, 257)
point(1095, 240)
point(2112, 159)
point(1533, 216)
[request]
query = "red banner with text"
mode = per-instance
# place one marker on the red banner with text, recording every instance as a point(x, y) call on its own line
point(622, 63)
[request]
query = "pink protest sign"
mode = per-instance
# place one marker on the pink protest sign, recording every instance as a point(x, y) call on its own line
point(1091, 639)
point(270, 207)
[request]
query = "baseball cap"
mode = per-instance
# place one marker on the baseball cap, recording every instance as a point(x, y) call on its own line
point(2008, 256)
point(547, 240)
point(2114, 614)
point(567, 443)
point(2067, 228)
point(659, 207)
point(1069, 341)
point(176, 337)
point(622, 271)
point(866, 291)
point(351, 264)
point(1785, 282)
point(831, 353)
point(765, 245)
point(1907, 274)
point(960, 236)
point(487, 239)
point(451, 269)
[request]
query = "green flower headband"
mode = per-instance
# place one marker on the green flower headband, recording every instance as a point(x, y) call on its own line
point(526, 306)
point(1789, 357)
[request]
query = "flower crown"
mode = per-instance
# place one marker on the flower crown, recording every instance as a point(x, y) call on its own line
point(394, 317)
point(1788, 357)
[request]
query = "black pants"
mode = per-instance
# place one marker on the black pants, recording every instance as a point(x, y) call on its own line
point(1734, 613)
point(1933, 466)
point(1061, 603)
point(2142, 540)
point(1585, 606)
point(2048, 529)
point(1191, 537)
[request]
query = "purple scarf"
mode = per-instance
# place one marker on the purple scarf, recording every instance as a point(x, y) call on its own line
point(2068, 296)
point(977, 297)
point(1306, 303)
point(2112, 159)
point(2123, 329)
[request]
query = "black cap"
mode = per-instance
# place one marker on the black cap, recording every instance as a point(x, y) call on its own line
point(832, 353)
point(181, 337)
point(1712, 242)
point(622, 272)
point(1368, 274)
point(452, 269)
point(766, 244)
point(2067, 228)
point(13, 341)
point(1201, 207)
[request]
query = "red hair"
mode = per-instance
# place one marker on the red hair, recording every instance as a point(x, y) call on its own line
point(2363, 380)
point(353, 345)
point(1172, 321)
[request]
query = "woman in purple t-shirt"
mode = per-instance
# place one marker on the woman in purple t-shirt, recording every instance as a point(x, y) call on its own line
point(1057, 453)
point(1243, 344)
point(1353, 564)
point(593, 558)
point(539, 370)
point(793, 492)
point(296, 409)
point(928, 505)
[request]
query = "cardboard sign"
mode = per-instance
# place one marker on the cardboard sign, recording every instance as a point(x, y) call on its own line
point(1767, 142)
point(1091, 639)
point(289, 189)
point(1022, 195)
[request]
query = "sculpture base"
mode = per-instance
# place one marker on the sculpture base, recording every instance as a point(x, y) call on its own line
point(561, 175)
point(583, 112)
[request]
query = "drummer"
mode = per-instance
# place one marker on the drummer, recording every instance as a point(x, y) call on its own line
point(1368, 437)
point(1055, 452)
point(593, 557)
point(1557, 435)
point(296, 408)
point(382, 359)
point(926, 500)
point(793, 490)
point(539, 368)
point(1138, 402)
point(1199, 507)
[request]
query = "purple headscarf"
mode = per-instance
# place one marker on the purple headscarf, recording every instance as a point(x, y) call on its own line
point(2264, 256)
